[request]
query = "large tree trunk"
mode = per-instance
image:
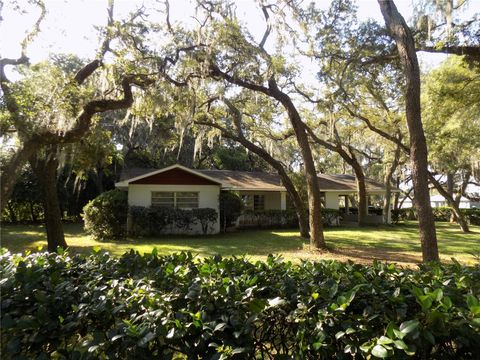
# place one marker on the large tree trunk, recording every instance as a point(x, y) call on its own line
point(388, 180)
point(400, 31)
point(317, 239)
point(277, 165)
point(287, 182)
point(46, 172)
point(361, 190)
point(362, 195)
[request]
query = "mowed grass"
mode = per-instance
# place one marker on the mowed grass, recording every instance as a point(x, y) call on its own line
point(399, 243)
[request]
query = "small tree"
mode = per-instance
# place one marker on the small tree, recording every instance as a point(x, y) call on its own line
point(106, 216)
point(231, 206)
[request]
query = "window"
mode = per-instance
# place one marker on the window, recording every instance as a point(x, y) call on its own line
point(180, 200)
point(258, 202)
point(163, 199)
point(186, 200)
point(254, 202)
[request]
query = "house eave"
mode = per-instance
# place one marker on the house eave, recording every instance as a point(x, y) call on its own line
point(233, 188)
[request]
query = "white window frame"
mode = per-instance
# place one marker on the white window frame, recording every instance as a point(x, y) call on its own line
point(249, 201)
point(177, 199)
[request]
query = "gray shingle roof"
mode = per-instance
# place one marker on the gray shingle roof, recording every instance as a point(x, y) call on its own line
point(346, 182)
point(247, 180)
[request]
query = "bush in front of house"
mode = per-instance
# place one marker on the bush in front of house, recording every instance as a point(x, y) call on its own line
point(331, 216)
point(281, 218)
point(268, 219)
point(231, 206)
point(155, 221)
point(105, 216)
point(206, 217)
point(274, 218)
point(442, 213)
point(473, 215)
point(179, 306)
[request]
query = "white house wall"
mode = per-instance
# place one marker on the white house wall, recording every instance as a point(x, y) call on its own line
point(272, 198)
point(208, 197)
point(331, 200)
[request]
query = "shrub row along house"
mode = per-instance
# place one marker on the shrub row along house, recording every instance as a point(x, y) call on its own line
point(180, 187)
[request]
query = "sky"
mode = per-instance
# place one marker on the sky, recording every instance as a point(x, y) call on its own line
point(69, 24)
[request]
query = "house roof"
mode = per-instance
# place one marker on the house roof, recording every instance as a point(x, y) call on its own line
point(347, 183)
point(246, 180)
point(259, 181)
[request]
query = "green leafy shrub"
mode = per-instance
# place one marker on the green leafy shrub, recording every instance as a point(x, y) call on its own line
point(473, 216)
point(231, 206)
point(404, 214)
point(155, 221)
point(105, 216)
point(149, 221)
point(269, 219)
point(206, 217)
point(282, 218)
point(331, 216)
point(442, 213)
point(144, 307)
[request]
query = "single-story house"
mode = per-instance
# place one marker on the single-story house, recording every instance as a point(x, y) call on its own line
point(181, 187)
point(439, 201)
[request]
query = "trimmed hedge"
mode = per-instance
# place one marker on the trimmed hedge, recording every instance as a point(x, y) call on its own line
point(269, 219)
point(145, 307)
point(282, 218)
point(154, 221)
point(441, 213)
point(105, 216)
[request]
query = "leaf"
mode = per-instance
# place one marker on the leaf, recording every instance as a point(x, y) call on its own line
point(472, 301)
point(447, 302)
point(116, 337)
point(426, 301)
point(171, 333)
point(96, 249)
point(339, 335)
point(315, 296)
point(257, 305)
point(149, 336)
point(429, 336)
point(278, 301)
point(379, 351)
point(408, 326)
point(438, 294)
point(239, 350)
point(384, 340)
point(220, 327)
point(475, 310)
point(93, 348)
point(400, 344)
point(399, 334)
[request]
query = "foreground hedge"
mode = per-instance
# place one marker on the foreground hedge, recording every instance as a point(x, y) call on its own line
point(144, 307)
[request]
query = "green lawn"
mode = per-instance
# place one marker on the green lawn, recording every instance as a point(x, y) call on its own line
point(398, 243)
